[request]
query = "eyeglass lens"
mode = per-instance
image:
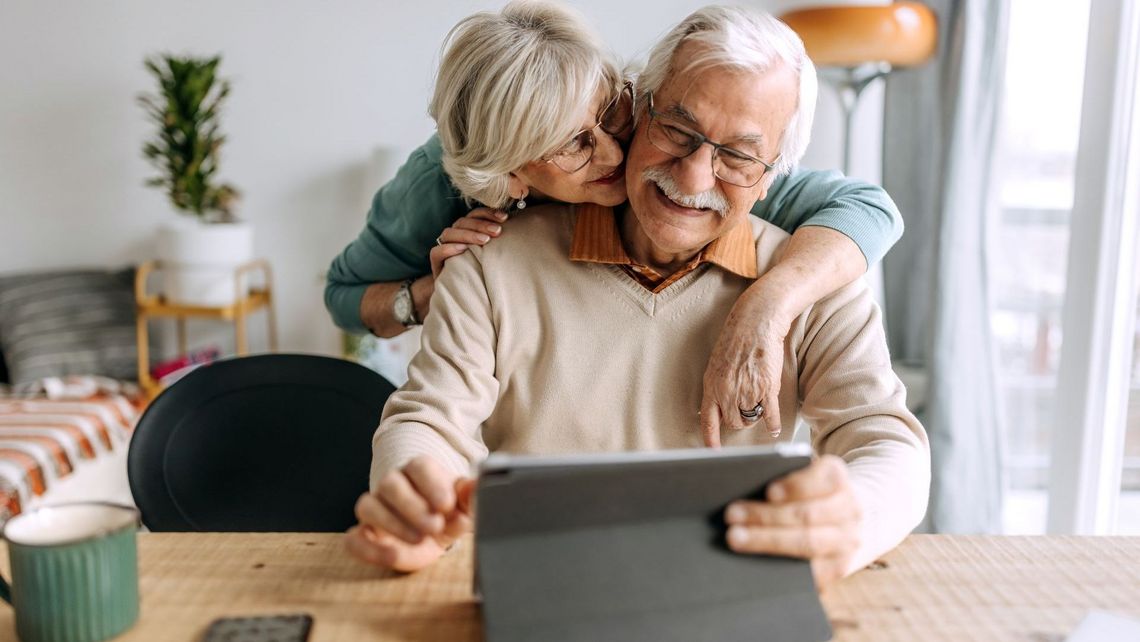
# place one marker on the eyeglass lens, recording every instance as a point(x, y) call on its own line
point(729, 165)
point(615, 120)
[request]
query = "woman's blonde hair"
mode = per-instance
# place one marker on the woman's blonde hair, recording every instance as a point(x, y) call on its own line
point(511, 87)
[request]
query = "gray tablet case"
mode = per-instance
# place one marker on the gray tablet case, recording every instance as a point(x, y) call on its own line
point(630, 547)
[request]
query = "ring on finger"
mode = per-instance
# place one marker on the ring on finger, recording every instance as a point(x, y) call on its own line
point(753, 414)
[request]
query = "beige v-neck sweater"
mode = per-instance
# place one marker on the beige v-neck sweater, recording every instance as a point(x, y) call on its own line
point(525, 351)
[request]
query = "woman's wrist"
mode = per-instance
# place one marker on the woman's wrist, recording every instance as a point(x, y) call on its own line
point(774, 300)
point(422, 289)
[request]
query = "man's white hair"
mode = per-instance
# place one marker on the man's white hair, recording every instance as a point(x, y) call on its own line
point(745, 39)
point(511, 87)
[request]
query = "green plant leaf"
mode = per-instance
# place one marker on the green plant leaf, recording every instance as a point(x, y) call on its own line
point(187, 141)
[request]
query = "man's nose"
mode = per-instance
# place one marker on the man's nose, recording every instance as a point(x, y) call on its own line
point(694, 173)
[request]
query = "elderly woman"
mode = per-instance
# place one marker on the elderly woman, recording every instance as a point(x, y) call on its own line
point(530, 107)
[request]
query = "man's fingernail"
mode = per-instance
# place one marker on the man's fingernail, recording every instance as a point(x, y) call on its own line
point(776, 493)
point(737, 536)
point(734, 514)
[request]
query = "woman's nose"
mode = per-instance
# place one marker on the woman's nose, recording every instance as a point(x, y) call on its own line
point(608, 151)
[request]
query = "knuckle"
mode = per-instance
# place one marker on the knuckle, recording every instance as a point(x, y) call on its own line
point(803, 514)
point(760, 514)
point(422, 465)
point(813, 543)
point(389, 484)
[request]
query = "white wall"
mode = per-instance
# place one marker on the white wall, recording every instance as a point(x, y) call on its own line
point(316, 88)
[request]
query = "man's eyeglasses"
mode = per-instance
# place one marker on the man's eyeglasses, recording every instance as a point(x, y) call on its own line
point(729, 165)
point(616, 119)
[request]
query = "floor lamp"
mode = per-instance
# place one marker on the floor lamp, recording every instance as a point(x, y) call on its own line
point(852, 46)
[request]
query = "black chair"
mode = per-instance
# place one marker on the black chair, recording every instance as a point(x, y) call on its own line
point(275, 442)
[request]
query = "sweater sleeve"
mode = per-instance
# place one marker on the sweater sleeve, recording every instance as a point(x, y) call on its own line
point(860, 210)
point(856, 408)
point(451, 388)
point(407, 215)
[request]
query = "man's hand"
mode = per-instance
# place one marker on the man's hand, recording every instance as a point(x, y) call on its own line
point(413, 516)
point(477, 228)
point(744, 370)
point(812, 514)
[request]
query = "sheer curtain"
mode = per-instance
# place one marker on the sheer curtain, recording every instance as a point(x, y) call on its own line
point(938, 141)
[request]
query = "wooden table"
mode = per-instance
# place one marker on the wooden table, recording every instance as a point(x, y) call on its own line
point(1033, 589)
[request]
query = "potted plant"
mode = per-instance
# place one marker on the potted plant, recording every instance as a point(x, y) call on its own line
point(200, 250)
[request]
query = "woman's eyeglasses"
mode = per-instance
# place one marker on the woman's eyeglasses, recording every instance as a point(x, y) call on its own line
point(616, 119)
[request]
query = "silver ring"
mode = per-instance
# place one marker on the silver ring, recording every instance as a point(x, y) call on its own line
point(754, 414)
point(439, 240)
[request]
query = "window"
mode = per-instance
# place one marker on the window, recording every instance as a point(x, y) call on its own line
point(1029, 238)
point(1064, 253)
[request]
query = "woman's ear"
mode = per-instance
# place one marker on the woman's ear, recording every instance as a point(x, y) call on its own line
point(516, 187)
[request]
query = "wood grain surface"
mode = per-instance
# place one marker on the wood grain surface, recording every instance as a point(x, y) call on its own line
point(933, 587)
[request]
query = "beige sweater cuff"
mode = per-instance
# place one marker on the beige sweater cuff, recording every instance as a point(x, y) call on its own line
point(394, 446)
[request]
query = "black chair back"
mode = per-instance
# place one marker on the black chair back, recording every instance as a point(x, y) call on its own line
point(274, 442)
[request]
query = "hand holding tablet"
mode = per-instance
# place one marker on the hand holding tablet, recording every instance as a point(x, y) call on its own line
point(811, 514)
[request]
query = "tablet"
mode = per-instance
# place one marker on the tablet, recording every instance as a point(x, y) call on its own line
point(630, 546)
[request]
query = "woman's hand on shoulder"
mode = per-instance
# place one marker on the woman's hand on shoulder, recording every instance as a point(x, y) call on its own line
point(477, 228)
point(742, 377)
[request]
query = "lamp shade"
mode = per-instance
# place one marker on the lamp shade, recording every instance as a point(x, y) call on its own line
point(901, 34)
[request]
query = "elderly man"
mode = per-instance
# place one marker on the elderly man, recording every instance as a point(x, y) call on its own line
point(586, 328)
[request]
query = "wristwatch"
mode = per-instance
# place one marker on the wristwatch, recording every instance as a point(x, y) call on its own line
point(403, 307)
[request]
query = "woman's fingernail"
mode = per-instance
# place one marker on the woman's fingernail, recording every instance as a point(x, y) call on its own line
point(502, 216)
point(483, 238)
point(776, 493)
point(495, 229)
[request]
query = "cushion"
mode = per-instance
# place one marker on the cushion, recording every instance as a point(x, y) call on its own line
point(79, 322)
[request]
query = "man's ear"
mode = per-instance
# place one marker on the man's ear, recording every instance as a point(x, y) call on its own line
point(516, 187)
point(765, 185)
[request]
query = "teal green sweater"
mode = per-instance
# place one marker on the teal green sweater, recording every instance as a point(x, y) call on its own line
point(411, 211)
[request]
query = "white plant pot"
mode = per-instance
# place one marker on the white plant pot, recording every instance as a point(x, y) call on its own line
point(199, 261)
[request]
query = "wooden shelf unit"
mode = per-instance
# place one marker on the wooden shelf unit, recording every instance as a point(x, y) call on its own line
point(150, 305)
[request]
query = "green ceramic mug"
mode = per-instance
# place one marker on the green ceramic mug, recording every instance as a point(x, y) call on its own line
point(75, 572)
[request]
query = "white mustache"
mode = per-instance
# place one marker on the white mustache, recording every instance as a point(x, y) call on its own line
point(713, 199)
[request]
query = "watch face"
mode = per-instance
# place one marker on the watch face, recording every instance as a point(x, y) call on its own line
point(403, 307)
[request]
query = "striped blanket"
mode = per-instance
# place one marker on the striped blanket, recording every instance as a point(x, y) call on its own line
point(51, 426)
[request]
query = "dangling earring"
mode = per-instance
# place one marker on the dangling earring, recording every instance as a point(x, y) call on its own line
point(521, 205)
